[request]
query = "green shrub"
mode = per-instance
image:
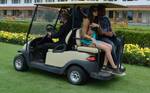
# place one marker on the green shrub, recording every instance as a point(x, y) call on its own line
point(133, 54)
point(133, 37)
point(18, 27)
point(133, 28)
point(22, 27)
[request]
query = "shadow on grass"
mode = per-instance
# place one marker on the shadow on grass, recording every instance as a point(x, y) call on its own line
point(102, 83)
point(91, 82)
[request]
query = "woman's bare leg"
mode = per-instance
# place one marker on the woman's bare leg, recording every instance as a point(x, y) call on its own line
point(104, 46)
point(105, 61)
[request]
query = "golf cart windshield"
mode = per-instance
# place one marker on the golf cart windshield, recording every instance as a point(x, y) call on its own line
point(43, 17)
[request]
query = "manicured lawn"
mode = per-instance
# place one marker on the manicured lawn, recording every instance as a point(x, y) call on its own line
point(137, 79)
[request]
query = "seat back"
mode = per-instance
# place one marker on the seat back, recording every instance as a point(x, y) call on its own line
point(70, 39)
point(78, 37)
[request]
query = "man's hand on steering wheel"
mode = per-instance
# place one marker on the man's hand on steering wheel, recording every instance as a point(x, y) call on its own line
point(50, 30)
point(49, 34)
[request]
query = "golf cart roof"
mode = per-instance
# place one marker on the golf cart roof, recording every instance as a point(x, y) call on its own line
point(81, 4)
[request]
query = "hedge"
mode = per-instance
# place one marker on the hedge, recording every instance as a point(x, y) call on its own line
point(139, 28)
point(133, 37)
point(10, 26)
point(22, 27)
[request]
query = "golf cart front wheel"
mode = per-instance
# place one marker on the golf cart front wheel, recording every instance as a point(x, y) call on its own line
point(20, 63)
point(76, 75)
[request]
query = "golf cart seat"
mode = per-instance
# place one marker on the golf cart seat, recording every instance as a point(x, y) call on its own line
point(76, 33)
point(82, 48)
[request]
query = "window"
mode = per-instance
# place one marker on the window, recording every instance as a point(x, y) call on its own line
point(37, 1)
point(110, 14)
point(129, 0)
point(16, 13)
point(15, 1)
point(139, 15)
point(27, 1)
point(130, 15)
point(5, 12)
point(3, 1)
point(110, 0)
point(30, 13)
point(49, 0)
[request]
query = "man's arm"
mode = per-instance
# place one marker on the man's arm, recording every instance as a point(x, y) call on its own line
point(56, 35)
point(109, 33)
point(60, 32)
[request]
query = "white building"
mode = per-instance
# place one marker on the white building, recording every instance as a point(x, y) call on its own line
point(137, 11)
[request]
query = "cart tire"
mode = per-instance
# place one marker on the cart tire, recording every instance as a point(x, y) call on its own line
point(20, 63)
point(76, 75)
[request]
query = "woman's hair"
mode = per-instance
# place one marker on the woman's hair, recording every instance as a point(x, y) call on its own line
point(90, 15)
point(101, 10)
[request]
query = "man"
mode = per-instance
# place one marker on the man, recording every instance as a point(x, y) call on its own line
point(61, 34)
point(109, 36)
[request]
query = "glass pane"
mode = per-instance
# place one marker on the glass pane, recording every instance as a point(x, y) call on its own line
point(44, 16)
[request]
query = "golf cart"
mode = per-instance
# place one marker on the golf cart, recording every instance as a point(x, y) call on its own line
point(72, 59)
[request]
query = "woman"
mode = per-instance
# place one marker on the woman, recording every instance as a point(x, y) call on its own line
point(90, 29)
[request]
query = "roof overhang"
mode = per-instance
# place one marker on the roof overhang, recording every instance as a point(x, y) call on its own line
point(81, 4)
point(132, 8)
point(17, 7)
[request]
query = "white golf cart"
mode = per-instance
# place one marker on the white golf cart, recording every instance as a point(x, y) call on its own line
point(72, 59)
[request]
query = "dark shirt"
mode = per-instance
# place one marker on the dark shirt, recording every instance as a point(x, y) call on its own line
point(64, 30)
point(105, 24)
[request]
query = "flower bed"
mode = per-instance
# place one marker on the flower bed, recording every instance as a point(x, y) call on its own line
point(16, 38)
point(133, 54)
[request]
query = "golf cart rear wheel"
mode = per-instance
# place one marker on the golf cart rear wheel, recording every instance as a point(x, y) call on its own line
point(122, 68)
point(76, 75)
point(20, 63)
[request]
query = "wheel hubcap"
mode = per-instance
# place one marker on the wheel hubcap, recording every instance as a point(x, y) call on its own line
point(75, 76)
point(18, 63)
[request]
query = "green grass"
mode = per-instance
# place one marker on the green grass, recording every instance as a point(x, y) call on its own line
point(137, 79)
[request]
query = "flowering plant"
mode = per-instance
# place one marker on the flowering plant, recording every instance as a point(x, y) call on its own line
point(133, 54)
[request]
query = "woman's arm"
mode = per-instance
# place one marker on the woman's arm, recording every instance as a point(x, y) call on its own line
point(85, 28)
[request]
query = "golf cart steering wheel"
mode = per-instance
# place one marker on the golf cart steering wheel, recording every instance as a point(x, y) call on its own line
point(50, 28)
